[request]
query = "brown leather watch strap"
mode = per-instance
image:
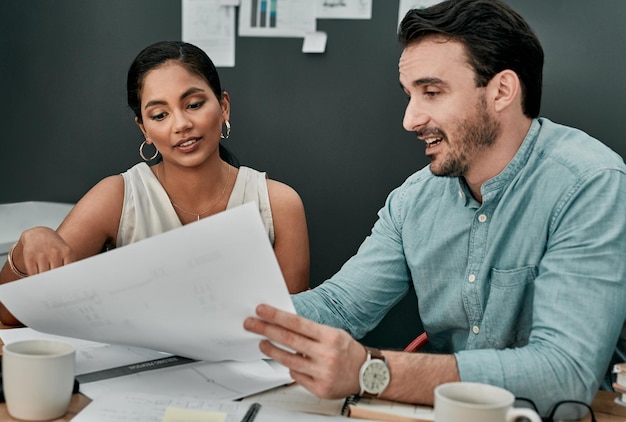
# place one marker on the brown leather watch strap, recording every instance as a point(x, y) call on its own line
point(376, 353)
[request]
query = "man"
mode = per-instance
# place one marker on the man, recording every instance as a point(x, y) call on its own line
point(514, 236)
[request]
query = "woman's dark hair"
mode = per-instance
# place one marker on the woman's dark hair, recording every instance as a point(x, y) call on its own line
point(192, 58)
point(495, 38)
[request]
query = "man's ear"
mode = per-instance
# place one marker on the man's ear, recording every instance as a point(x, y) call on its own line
point(506, 89)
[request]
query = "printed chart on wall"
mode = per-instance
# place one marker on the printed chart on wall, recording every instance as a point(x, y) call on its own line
point(211, 26)
point(277, 18)
point(406, 5)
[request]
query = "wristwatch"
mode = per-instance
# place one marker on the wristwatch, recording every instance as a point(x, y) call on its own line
point(374, 375)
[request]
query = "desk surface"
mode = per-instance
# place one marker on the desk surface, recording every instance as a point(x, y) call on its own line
point(77, 404)
point(604, 406)
point(19, 216)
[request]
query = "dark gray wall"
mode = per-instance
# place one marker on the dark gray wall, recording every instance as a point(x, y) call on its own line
point(329, 125)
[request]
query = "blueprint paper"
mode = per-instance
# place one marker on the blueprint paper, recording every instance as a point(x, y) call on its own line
point(186, 291)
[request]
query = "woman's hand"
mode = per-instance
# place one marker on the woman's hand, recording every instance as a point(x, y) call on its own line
point(41, 249)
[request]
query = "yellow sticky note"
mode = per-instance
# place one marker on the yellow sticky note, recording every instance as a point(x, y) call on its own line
point(174, 414)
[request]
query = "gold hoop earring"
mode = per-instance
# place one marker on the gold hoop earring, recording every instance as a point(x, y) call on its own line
point(143, 156)
point(227, 123)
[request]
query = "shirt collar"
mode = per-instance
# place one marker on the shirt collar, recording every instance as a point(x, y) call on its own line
point(518, 162)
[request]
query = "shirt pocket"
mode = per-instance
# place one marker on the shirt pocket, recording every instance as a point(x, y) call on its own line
point(507, 320)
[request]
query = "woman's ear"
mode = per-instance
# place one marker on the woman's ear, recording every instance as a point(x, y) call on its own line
point(225, 104)
point(506, 89)
point(141, 127)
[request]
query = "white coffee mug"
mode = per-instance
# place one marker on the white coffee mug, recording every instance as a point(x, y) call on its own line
point(476, 402)
point(38, 378)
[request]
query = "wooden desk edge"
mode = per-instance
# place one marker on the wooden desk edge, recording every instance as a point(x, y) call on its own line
point(604, 404)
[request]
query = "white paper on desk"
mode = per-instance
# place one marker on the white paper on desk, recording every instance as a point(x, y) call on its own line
point(227, 380)
point(127, 407)
point(90, 356)
point(296, 397)
point(186, 291)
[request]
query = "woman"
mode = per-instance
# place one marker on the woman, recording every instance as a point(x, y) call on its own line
point(175, 92)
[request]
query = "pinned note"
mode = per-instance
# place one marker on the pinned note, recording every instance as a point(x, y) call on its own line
point(314, 42)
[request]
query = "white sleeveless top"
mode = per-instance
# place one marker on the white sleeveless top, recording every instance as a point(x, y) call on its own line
point(147, 209)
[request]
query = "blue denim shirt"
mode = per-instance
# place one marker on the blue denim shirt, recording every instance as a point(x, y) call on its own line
point(527, 288)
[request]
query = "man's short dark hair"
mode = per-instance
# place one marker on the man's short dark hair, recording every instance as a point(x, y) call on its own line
point(495, 37)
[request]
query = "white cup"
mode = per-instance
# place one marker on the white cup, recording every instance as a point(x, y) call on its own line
point(476, 402)
point(38, 378)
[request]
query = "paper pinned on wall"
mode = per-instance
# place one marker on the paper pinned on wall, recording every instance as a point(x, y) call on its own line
point(277, 18)
point(344, 9)
point(406, 5)
point(315, 42)
point(210, 25)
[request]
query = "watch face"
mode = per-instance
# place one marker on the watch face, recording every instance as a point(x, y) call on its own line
point(375, 376)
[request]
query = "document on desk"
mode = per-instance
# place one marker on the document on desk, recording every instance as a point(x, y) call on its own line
point(186, 291)
point(91, 357)
point(132, 407)
point(105, 368)
point(226, 380)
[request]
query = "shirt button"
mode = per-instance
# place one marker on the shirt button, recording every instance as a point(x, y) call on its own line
point(475, 329)
point(461, 194)
point(472, 278)
point(482, 218)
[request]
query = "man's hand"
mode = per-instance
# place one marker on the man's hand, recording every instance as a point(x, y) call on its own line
point(324, 360)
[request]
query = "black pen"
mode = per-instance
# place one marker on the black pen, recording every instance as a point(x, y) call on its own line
point(251, 413)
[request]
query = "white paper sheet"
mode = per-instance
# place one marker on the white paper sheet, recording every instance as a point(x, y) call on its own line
point(210, 25)
point(296, 397)
point(132, 407)
point(101, 369)
point(315, 42)
point(185, 292)
point(227, 380)
point(406, 5)
point(344, 9)
point(90, 356)
point(277, 18)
